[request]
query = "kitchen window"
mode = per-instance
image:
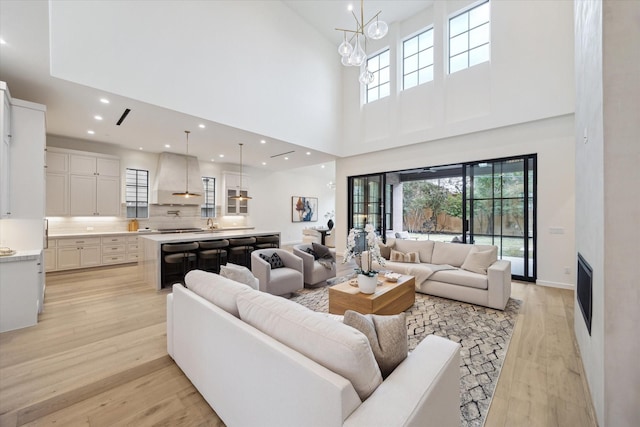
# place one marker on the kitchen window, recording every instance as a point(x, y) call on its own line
point(208, 208)
point(137, 193)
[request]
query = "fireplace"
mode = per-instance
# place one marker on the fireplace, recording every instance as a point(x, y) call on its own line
point(584, 290)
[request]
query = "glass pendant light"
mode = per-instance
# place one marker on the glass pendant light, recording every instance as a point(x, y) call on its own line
point(358, 56)
point(377, 30)
point(366, 77)
point(346, 61)
point(186, 193)
point(345, 47)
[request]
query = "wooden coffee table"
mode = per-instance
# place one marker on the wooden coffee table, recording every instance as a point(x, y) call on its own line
point(389, 298)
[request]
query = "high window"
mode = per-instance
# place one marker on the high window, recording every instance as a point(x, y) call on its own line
point(380, 86)
point(137, 193)
point(208, 208)
point(469, 38)
point(417, 55)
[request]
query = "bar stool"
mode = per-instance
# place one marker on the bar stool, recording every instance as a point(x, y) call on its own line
point(267, 242)
point(212, 251)
point(240, 250)
point(182, 257)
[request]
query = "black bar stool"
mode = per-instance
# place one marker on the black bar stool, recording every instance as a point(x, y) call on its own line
point(182, 257)
point(240, 250)
point(215, 252)
point(267, 242)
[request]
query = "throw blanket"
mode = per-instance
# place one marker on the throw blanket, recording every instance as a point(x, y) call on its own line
point(422, 272)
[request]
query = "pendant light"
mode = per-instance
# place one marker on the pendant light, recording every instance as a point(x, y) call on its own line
point(186, 193)
point(239, 196)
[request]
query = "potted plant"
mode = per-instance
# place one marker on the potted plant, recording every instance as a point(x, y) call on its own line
point(367, 276)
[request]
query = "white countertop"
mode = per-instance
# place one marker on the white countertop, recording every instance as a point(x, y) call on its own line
point(209, 235)
point(130, 233)
point(25, 255)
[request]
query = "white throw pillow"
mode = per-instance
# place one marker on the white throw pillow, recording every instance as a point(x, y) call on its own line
point(478, 261)
point(238, 273)
point(216, 289)
point(334, 345)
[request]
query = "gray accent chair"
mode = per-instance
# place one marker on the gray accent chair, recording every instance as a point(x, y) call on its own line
point(314, 272)
point(278, 281)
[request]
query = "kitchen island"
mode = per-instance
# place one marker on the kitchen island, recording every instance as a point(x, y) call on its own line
point(150, 248)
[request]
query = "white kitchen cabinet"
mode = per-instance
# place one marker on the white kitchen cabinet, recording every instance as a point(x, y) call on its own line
point(91, 186)
point(234, 187)
point(5, 152)
point(50, 259)
point(78, 253)
point(114, 250)
point(57, 184)
point(21, 292)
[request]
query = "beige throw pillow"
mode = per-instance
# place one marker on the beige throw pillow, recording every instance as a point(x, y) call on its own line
point(387, 336)
point(385, 249)
point(411, 257)
point(478, 261)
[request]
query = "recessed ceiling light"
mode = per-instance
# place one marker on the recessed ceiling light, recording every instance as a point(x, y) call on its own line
point(97, 117)
point(221, 155)
point(167, 146)
point(262, 141)
point(286, 158)
point(350, 7)
point(322, 166)
point(264, 163)
point(308, 153)
point(201, 126)
point(2, 41)
point(213, 160)
point(104, 100)
point(140, 148)
point(90, 132)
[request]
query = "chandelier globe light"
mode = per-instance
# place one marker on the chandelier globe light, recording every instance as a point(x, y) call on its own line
point(354, 54)
point(186, 194)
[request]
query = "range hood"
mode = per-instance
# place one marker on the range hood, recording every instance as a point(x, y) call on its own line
point(170, 178)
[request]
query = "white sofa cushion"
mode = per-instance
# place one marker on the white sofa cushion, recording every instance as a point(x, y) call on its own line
point(461, 278)
point(449, 253)
point(216, 289)
point(238, 273)
point(334, 345)
point(423, 247)
point(479, 260)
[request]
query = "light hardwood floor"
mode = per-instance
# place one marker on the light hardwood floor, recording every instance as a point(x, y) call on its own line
point(98, 357)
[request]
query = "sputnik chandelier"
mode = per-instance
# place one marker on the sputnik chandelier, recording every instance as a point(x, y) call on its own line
point(355, 55)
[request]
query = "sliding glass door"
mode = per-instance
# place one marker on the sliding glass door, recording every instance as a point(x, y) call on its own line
point(500, 210)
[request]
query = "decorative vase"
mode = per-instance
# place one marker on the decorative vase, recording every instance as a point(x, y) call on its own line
point(330, 224)
point(366, 284)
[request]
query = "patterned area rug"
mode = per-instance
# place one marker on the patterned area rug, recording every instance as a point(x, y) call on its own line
point(482, 332)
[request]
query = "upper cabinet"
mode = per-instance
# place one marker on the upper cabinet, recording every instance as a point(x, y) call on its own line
point(5, 151)
point(234, 186)
point(82, 184)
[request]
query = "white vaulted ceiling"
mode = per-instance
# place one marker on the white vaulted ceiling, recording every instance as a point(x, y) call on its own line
point(247, 70)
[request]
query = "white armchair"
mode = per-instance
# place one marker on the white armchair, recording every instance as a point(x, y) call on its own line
point(278, 281)
point(314, 272)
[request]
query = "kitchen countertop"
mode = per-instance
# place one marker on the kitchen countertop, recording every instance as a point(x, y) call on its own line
point(214, 234)
point(136, 233)
point(25, 255)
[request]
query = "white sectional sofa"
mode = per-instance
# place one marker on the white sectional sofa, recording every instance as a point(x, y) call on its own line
point(469, 273)
point(225, 343)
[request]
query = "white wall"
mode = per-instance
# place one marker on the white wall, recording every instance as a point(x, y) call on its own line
point(553, 141)
point(529, 77)
point(608, 211)
point(271, 192)
point(254, 65)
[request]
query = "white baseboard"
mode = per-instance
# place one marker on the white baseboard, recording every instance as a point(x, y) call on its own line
point(556, 285)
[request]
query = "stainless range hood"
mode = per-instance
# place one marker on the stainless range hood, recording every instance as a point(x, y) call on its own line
point(170, 178)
